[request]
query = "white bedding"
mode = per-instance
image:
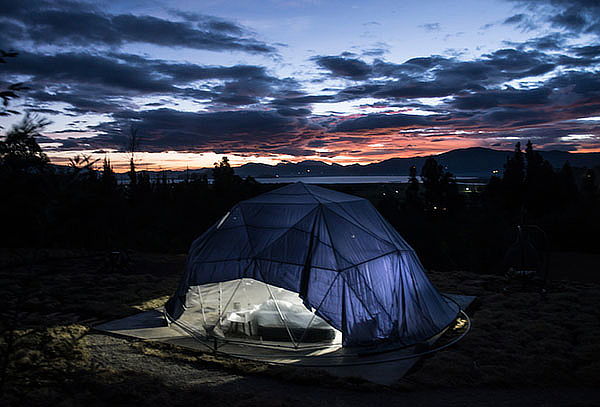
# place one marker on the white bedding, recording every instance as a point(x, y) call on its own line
point(296, 316)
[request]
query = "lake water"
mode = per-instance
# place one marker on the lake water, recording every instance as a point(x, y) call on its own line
point(358, 179)
point(351, 179)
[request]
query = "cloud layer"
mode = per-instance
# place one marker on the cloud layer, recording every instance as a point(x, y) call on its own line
point(68, 23)
point(80, 60)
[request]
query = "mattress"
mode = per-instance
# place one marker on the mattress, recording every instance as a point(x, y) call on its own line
point(269, 325)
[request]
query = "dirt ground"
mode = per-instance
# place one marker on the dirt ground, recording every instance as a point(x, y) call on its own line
point(527, 347)
point(263, 389)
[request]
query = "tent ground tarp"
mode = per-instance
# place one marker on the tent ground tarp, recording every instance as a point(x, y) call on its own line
point(382, 368)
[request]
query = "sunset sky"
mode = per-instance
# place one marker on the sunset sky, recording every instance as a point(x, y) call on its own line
point(338, 81)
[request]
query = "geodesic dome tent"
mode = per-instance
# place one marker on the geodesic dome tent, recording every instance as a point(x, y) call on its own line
point(307, 266)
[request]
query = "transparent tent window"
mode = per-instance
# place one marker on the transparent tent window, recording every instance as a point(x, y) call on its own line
point(251, 311)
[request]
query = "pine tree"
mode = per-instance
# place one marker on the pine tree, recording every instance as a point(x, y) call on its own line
point(589, 187)
point(132, 145)
point(431, 174)
point(567, 186)
point(225, 182)
point(108, 175)
point(513, 180)
point(441, 191)
point(541, 183)
point(412, 190)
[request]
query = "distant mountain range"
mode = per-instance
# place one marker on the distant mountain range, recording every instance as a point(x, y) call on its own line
point(464, 162)
point(475, 161)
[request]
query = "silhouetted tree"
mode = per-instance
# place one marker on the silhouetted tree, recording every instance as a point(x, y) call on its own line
point(451, 198)
point(589, 187)
point(83, 164)
point(441, 191)
point(108, 175)
point(568, 191)
point(144, 183)
point(19, 150)
point(222, 171)
point(431, 174)
point(133, 142)
point(534, 162)
point(224, 178)
point(10, 93)
point(493, 193)
point(413, 200)
point(541, 185)
point(513, 180)
point(229, 187)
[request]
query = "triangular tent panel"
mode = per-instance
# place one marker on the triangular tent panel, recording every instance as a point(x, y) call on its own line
point(303, 264)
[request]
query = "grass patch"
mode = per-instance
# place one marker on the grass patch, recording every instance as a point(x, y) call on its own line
point(520, 338)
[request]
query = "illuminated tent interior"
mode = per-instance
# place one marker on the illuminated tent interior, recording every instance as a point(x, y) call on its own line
point(307, 267)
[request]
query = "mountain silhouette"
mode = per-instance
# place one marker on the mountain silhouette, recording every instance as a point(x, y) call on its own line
point(474, 161)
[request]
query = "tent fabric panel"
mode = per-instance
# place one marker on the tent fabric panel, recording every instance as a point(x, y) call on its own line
point(222, 245)
point(380, 305)
point(364, 213)
point(278, 216)
point(231, 220)
point(359, 213)
point(261, 240)
point(280, 275)
point(425, 311)
point(379, 278)
point(295, 245)
point(359, 325)
point(323, 257)
point(299, 193)
point(325, 296)
point(294, 193)
point(292, 248)
point(324, 195)
point(218, 272)
point(291, 239)
point(286, 199)
point(197, 244)
point(353, 244)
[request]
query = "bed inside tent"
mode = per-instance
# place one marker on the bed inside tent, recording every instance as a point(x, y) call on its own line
point(255, 313)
